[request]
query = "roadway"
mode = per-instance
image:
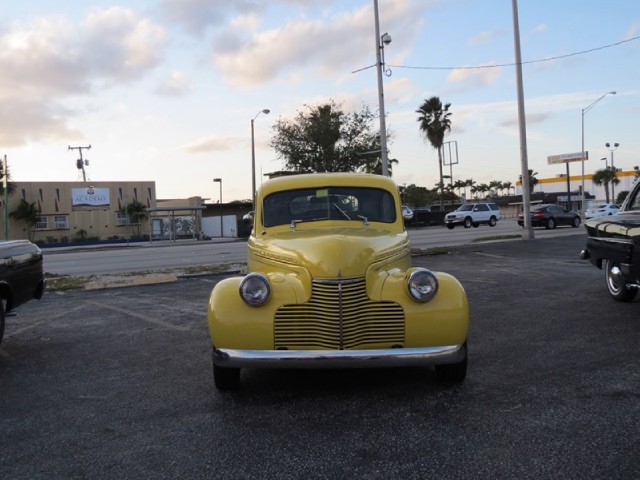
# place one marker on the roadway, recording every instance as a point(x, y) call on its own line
point(169, 255)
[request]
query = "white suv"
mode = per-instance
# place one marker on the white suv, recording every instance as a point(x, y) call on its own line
point(473, 214)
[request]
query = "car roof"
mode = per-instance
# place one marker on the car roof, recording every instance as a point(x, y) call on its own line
point(320, 180)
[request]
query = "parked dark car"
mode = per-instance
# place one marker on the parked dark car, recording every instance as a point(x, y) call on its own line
point(550, 216)
point(21, 276)
point(613, 244)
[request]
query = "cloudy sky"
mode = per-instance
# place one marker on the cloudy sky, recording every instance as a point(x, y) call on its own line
point(165, 90)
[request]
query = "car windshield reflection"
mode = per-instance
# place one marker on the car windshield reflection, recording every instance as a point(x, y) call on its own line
point(363, 205)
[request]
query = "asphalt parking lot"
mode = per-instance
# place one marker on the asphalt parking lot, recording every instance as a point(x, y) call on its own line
point(117, 383)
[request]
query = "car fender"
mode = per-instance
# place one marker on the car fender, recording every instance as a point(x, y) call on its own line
point(234, 324)
point(442, 321)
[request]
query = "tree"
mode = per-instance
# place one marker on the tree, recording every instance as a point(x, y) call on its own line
point(605, 177)
point(434, 122)
point(460, 185)
point(622, 196)
point(11, 187)
point(508, 186)
point(533, 181)
point(29, 213)
point(137, 213)
point(326, 139)
point(495, 186)
point(417, 196)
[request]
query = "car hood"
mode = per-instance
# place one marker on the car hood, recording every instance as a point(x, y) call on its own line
point(330, 253)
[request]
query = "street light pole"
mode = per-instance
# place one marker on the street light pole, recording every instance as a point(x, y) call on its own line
point(266, 111)
point(527, 231)
point(613, 168)
point(381, 41)
point(584, 112)
point(219, 180)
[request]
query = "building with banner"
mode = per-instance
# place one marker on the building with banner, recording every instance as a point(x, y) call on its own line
point(69, 211)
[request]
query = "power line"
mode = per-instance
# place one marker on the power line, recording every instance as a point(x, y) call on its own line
point(548, 59)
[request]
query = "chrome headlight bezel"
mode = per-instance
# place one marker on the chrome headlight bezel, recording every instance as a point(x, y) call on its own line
point(422, 285)
point(255, 289)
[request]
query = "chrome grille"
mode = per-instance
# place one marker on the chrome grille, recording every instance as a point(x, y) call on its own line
point(339, 316)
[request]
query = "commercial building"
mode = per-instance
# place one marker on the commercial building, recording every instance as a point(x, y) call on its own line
point(69, 211)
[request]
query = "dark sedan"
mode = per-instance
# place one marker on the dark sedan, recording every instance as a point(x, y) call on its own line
point(550, 216)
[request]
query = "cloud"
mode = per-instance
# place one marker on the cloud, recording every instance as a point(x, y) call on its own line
point(197, 16)
point(532, 119)
point(483, 37)
point(177, 85)
point(214, 143)
point(475, 77)
point(331, 45)
point(50, 60)
point(120, 46)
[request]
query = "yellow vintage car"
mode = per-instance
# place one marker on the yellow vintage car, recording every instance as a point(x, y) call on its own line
point(330, 284)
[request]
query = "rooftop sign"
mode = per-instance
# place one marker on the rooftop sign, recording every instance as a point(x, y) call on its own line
point(567, 157)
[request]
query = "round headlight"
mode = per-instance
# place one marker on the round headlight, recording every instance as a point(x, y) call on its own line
point(422, 285)
point(255, 290)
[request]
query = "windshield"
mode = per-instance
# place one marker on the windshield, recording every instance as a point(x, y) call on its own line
point(328, 203)
point(466, 208)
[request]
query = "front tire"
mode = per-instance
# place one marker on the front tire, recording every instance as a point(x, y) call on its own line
point(467, 222)
point(576, 222)
point(551, 224)
point(454, 372)
point(450, 226)
point(616, 283)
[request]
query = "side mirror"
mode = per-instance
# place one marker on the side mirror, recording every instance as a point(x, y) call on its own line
point(248, 218)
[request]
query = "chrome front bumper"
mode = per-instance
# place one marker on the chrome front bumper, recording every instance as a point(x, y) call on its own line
point(392, 357)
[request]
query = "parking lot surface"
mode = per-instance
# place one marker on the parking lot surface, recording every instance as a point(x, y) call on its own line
point(117, 384)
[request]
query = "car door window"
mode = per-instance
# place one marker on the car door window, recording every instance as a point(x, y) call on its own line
point(634, 203)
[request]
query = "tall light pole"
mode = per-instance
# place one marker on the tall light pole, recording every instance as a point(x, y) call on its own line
point(266, 111)
point(527, 232)
point(613, 168)
point(219, 180)
point(381, 41)
point(584, 112)
point(5, 199)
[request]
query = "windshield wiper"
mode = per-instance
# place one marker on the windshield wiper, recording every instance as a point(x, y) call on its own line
point(364, 219)
point(341, 211)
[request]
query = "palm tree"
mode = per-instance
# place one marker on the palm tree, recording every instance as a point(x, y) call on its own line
point(434, 121)
point(471, 183)
point(137, 213)
point(533, 181)
point(605, 177)
point(11, 187)
point(495, 186)
point(29, 213)
point(460, 185)
point(508, 186)
point(375, 166)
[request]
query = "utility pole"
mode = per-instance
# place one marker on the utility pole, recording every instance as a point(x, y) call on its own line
point(80, 163)
point(5, 199)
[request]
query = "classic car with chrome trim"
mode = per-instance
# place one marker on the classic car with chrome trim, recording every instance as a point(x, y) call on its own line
point(613, 244)
point(330, 285)
point(21, 276)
